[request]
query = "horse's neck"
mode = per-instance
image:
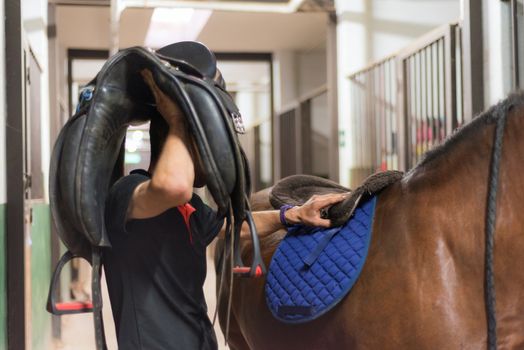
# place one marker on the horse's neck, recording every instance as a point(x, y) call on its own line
point(445, 198)
point(461, 164)
point(466, 159)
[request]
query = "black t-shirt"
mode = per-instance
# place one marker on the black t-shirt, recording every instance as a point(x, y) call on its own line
point(155, 271)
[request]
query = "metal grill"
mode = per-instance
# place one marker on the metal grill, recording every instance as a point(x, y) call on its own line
point(517, 47)
point(432, 90)
point(373, 105)
point(405, 104)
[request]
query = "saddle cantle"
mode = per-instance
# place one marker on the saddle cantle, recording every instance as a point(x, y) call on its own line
point(314, 268)
point(88, 154)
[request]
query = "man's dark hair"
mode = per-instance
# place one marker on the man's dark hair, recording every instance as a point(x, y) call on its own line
point(158, 130)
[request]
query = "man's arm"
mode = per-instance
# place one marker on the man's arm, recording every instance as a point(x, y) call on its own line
point(308, 214)
point(172, 181)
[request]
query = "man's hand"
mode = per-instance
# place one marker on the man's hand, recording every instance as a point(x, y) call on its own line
point(309, 213)
point(173, 175)
point(164, 104)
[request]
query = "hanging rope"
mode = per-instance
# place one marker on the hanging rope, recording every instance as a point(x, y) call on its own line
point(491, 216)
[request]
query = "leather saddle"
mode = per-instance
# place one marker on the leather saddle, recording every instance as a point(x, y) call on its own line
point(88, 155)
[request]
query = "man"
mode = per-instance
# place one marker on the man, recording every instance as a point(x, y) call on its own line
point(159, 231)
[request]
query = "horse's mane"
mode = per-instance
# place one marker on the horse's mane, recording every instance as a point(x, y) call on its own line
point(482, 120)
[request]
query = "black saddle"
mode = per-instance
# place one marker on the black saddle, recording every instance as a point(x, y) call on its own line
point(88, 154)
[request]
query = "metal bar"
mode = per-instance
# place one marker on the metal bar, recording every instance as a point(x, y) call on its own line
point(435, 92)
point(459, 68)
point(385, 111)
point(412, 121)
point(515, 44)
point(472, 50)
point(431, 113)
point(387, 114)
point(357, 130)
point(372, 65)
point(370, 149)
point(441, 96)
point(393, 136)
point(450, 80)
point(55, 125)
point(361, 120)
point(385, 126)
point(425, 40)
point(356, 117)
point(419, 106)
point(379, 117)
point(403, 113)
point(332, 96)
point(424, 77)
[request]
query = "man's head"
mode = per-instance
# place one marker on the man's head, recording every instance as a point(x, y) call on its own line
point(158, 131)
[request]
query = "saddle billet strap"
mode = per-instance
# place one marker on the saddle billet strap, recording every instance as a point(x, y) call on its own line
point(222, 265)
point(96, 289)
point(231, 245)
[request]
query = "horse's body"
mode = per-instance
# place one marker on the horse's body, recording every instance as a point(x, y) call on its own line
point(422, 286)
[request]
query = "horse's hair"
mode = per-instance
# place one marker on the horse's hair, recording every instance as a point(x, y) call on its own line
point(515, 100)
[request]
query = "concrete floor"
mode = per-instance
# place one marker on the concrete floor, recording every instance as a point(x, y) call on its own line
point(78, 332)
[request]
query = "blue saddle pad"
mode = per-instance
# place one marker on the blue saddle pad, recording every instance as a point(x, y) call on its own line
point(314, 268)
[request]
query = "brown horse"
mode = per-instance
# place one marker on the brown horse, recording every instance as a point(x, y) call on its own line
point(422, 286)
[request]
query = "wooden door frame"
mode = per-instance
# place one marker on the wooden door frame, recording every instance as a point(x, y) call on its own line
point(15, 177)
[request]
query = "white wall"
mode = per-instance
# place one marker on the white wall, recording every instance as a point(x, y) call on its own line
point(34, 23)
point(369, 30)
point(284, 79)
point(295, 74)
point(3, 168)
point(497, 50)
point(312, 70)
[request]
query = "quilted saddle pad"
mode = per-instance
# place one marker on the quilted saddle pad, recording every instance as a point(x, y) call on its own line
point(314, 268)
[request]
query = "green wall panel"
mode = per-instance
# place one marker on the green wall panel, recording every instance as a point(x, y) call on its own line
point(3, 293)
point(40, 275)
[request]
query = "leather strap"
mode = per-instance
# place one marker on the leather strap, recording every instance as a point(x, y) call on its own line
point(100, 337)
